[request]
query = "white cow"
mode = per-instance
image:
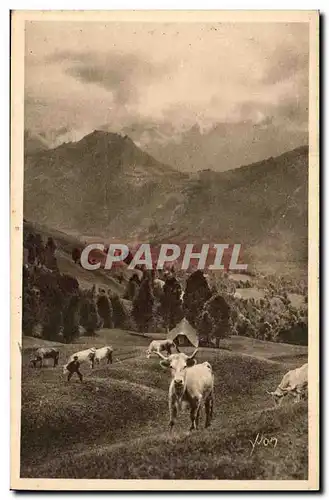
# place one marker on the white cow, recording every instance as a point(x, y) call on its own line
point(192, 384)
point(88, 355)
point(295, 383)
point(157, 346)
point(104, 353)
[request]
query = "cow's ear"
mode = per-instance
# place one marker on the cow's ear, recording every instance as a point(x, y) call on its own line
point(164, 363)
point(190, 362)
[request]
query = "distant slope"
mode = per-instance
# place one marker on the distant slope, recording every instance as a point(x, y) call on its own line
point(65, 244)
point(104, 185)
point(224, 146)
point(263, 206)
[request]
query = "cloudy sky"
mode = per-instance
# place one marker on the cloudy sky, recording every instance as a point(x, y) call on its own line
point(84, 76)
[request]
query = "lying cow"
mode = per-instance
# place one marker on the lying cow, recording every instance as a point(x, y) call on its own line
point(44, 353)
point(192, 384)
point(295, 383)
point(104, 353)
point(86, 356)
point(157, 346)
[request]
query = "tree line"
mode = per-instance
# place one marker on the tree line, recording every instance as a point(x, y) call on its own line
point(56, 307)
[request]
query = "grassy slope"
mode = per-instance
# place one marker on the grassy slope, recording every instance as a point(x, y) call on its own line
point(122, 416)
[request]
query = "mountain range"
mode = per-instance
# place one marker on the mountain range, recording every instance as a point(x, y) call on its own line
point(106, 186)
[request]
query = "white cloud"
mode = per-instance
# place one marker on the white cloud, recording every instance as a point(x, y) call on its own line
point(84, 75)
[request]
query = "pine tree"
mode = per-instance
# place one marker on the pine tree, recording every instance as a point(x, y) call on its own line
point(132, 288)
point(39, 249)
point(143, 304)
point(105, 311)
point(218, 313)
point(205, 327)
point(71, 319)
point(89, 318)
point(52, 321)
point(171, 304)
point(197, 292)
point(30, 313)
point(120, 315)
point(50, 259)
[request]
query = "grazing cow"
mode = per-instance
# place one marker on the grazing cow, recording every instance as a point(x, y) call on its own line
point(295, 383)
point(157, 346)
point(44, 353)
point(192, 384)
point(88, 355)
point(104, 353)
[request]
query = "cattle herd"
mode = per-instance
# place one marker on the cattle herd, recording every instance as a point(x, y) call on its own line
point(192, 383)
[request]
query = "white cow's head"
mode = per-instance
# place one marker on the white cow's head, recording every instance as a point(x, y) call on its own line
point(33, 360)
point(178, 363)
point(277, 395)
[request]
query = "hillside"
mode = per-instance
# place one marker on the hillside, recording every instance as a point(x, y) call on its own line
point(34, 143)
point(263, 206)
point(123, 416)
point(111, 188)
point(105, 183)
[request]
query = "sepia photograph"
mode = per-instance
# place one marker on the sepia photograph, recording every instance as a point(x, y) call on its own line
point(164, 250)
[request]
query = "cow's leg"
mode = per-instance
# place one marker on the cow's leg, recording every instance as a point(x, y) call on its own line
point(109, 358)
point(297, 397)
point(194, 414)
point(172, 413)
point(279, 401)
point(209, 406)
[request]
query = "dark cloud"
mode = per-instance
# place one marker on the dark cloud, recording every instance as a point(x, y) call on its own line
point(121, 74)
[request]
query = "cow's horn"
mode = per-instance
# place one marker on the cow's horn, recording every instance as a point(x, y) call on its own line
point(193, 354)
point(161, 355)
point(270, 393)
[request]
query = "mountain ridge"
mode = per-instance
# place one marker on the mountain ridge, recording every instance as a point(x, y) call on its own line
point(109, 187)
